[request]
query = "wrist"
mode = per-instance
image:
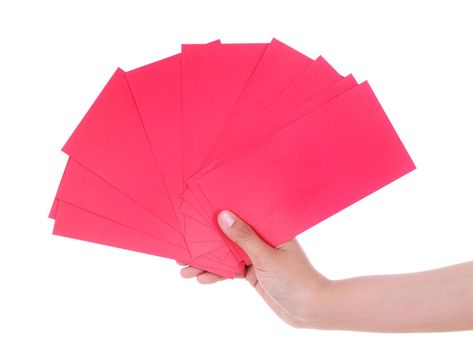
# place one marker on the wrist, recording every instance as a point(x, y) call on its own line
point(326, 305)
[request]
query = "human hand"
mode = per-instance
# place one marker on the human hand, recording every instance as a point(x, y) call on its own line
point(283, 276)
point(428, 301)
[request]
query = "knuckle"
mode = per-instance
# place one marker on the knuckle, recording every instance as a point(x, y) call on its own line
point(244, 232)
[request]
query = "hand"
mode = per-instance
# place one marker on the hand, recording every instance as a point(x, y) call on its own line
point(283, 276)
point(435, 300)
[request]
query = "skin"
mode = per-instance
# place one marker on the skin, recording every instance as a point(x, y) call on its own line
point(428, 301)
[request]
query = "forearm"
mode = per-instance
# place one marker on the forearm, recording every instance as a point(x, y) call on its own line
point(436, 300)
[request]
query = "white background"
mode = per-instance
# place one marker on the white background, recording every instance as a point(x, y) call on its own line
point(55, 57)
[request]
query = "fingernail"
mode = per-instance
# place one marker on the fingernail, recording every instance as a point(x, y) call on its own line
point(227, 219)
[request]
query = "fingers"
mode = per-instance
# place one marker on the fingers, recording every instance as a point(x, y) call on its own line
point(243, 235)
point(181, 263)
point(191, 272)
point(209, 278)
point(202, 276)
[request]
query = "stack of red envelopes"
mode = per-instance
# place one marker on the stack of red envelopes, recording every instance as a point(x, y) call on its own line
point(280, 139)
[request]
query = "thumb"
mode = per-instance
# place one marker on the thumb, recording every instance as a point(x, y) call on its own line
point(242, 234)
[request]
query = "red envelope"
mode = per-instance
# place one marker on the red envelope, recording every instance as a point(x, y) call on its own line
point(124, 120)
point(312, 169)
point(261, 129)
point(212, 80)
point(277, 121)
point(162, 126)
point(84, 189)
point(318, 76)
point(274, 124)
point(111, 142)
point(156, 89)
point(278, 67)
point(77, 223)
point(253, 136)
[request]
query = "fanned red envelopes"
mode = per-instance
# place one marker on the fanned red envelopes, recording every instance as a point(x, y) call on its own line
point(281, 139)
point(313, 168)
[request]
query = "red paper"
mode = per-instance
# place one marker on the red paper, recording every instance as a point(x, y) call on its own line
point(212, 80)
point(318, 76)
point(254, 136)
point(278, 67)
point(80, 224)
point(111, 142)
point(311, 169)
point(156, 89)
point(84, 189)
point(261, 129)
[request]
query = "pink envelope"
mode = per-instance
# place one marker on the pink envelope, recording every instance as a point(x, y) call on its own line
point(74, 222)
point(117, 100)
point(253, 137)
point(258, 133)
point(310, 170)
point(213, 77)
point(156, 89)
point(261, 129)
point(156, 92)
point(190, 203)
point(278, 67)
point(82, 188)
point(111, 142)
point(318, 76)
